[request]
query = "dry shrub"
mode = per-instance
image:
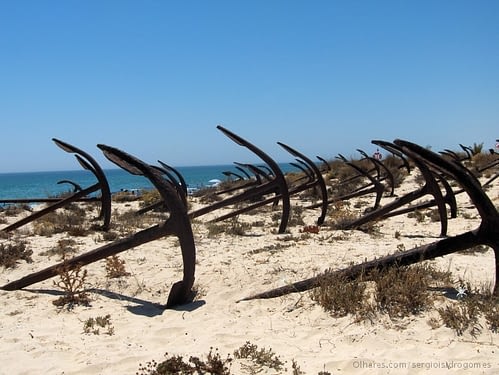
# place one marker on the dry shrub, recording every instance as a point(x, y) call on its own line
point(149, 197)
point(115, 267)
point(231, 227)
point(341, 215)
point(124, 196)
point(214, 364)
point(71, 221)
point(296, 217)
point(12, 253)
point(259, 357)
point(398, 292)
point(338, 295)
point(402, 291)
point(15, 209)
point(459, 318)
point(93, 325)
point(481, 160)
point(72, 282)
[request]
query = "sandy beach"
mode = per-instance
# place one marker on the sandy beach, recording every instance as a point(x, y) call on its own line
point(37, 336)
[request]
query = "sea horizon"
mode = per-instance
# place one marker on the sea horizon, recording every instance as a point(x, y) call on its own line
point(43, 184)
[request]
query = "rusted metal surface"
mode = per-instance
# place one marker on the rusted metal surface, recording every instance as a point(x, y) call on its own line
point(430, 187)
point(276, 185)
point(316, 181)
point(378, 164)
point(486, 234)
point(177, 224)
point(327, 167)
point(393, 149)
point(374, 185)
point(178, 180)
point(88, 163)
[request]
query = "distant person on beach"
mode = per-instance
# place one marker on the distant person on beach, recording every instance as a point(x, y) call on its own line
point(377, 155)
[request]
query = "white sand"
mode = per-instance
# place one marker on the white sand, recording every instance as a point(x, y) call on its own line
point(37, 337)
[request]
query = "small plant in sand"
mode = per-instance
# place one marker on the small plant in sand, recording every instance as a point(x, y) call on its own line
point(260, 358)
point(94, 325)
point(230, 227)
point(72, 283)
point(12, 253)
point(115, 267)
point(214, 364)
point(418, 215)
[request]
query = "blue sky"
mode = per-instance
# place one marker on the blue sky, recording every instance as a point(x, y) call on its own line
point(154, 78)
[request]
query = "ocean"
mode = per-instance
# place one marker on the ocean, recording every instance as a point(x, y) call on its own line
point(45, 184)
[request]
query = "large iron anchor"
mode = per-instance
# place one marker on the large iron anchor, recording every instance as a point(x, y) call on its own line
point(88, 163)
point(486, 234)
point(177, 224)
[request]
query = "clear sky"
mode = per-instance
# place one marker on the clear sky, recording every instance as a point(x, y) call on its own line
point(154, 78)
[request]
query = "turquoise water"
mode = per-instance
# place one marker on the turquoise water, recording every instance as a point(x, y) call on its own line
point(44, 184)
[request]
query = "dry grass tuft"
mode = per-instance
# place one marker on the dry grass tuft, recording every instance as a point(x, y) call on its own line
point(12, 253)
point(398, 292)
point(338, 295)
point(71, 220)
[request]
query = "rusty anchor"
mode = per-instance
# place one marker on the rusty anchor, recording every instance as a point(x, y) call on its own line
point(88, 163)
point(430, 187)
point(276, 184)
point(177, 224)
point(486, 234)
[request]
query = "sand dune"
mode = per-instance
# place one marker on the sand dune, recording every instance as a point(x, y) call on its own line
point(36, 336)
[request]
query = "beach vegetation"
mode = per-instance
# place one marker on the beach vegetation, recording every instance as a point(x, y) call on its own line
point(176, 364)
point(63, 248)
point(402, 291)
point(341, 215)
point(115, 267)
point(259, 358)
point(72, 283)
point(12, 252)
point(232, 226)
point(125, 196)
point(249, 357)
point(418, 215)
point(296, 216)
point(71, 220)
point(149, 197)
point(94, 325)
point(12, 210)
point(398, 292)
point(339, 296)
